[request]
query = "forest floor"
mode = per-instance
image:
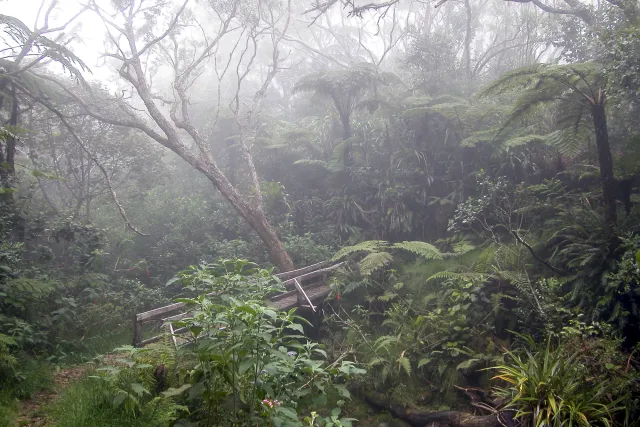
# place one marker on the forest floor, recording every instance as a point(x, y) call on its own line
point(33, 410)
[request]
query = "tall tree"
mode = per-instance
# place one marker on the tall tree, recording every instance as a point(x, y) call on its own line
point(23, 51)
point(242, 30)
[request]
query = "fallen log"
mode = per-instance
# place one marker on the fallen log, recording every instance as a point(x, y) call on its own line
point(437, 419)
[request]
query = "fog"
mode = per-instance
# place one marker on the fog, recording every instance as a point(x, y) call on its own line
point(323, 213)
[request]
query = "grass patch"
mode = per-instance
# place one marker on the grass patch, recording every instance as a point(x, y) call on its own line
point(90, 403)
point(8, 410)
point(32, 376)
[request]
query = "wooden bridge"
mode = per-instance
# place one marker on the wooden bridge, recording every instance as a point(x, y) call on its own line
point(305, 288)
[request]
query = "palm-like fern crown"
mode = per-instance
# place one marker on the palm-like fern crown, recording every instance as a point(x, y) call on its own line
point(344, 87)
point(569, 89)
point(39, 49)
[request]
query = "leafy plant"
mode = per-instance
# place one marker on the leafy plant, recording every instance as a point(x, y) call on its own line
point(248, 362)
point(548, 388)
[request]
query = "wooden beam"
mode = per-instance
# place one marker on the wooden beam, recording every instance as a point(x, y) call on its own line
point(318, 273)
point(166, 309)
point(301, 271)
point(288, 283)
point(294, 279)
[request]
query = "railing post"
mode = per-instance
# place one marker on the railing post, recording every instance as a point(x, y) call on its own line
point(137, 331)
point(299, 295)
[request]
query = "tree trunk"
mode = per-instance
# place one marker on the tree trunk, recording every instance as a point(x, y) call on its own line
point(253, 215)
point(346, 127)
point(11, 141)
point(467, 45)
point(445, 418)
point(7, 156)
point(605, 160)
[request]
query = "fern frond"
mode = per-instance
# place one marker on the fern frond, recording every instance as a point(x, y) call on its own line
point(524, 140)
point(450, 274)
point(424, 249)
point(569, 142)
point(313, 163)
point(374, 261)
point(384, 341)
point(404, 364)
point(366, 246)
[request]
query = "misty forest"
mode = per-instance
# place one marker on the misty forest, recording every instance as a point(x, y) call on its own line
point(320, 213)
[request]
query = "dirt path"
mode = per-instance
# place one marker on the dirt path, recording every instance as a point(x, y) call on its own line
point(32, 410)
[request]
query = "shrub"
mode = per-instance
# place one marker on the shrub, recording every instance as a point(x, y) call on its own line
point(249, 364)
point(551, 386)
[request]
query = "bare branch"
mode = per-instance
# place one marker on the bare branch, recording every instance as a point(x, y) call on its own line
point(82, 145)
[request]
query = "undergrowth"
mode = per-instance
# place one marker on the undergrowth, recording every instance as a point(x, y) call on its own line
point(90, 403)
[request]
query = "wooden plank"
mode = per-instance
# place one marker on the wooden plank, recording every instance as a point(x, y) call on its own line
point(159, 311)
point(295, 273)
point(290, 283)
point(314, 292)
point(282, 301)
point(177, 317)
point(318, 273)
point(166, 309)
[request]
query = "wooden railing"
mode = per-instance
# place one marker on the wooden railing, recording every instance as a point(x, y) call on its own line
point(292, 280)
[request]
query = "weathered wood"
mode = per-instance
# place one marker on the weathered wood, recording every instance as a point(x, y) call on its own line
point(290, 283)
point(444, 418)
point(315, 293)
point(297, 296)
point(137, 332)
point(302, 296)
point(151, 314)
point(173, 335)
point(301, 271)
point(318, 273)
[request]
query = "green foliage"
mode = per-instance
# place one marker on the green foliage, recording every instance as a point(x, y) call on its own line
point(377, 259)
point(366, 246)
point(90, 402)
point(374, 261)
point(248, 364)
point(8, 410)
point(423, 249)
point(547, 386)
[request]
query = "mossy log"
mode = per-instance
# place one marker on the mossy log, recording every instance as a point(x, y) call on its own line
point(444, 418)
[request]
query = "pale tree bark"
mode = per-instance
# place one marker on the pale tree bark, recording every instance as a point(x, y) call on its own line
point(175, 129)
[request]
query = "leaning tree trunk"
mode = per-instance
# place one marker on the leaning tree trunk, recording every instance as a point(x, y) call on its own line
point(605, 160)
point(254, 215)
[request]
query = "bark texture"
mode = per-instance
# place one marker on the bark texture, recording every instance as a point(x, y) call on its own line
point(604, 158)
